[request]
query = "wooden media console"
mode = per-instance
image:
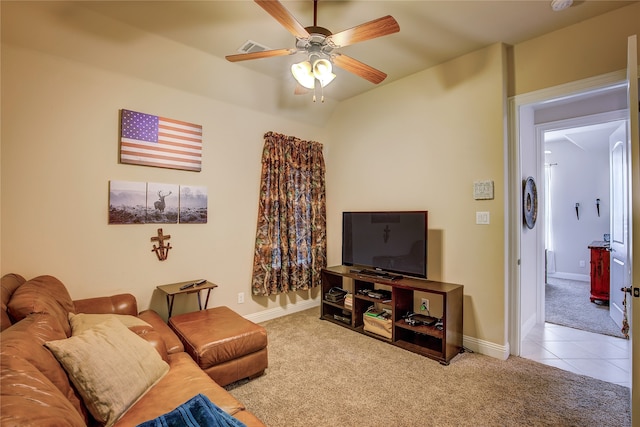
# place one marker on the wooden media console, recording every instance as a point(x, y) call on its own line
point(442, 341)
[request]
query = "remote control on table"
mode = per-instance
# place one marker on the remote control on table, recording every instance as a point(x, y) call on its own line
point(189, 285)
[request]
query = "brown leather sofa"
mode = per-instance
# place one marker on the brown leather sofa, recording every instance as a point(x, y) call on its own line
point(36, 389)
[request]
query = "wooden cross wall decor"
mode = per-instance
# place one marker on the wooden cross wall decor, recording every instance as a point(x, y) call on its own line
point(162, 250)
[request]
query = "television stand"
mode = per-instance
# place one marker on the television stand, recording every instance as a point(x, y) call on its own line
point(441, 341)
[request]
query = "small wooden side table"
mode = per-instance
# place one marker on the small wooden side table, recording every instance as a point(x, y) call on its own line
point(173, 289)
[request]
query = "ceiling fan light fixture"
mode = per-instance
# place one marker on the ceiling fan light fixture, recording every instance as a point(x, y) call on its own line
point(306, 72)
point(322, 70)
point(321, 67)
point(303, 75)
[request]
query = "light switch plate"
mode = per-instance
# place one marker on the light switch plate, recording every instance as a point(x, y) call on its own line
point(483, 190)
point(482, 218)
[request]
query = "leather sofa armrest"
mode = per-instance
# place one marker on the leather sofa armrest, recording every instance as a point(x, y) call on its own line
point(171, 340)
point(115, 304)
point(153, 338)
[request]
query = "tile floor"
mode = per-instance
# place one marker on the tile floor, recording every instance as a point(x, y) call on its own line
point(599, 356)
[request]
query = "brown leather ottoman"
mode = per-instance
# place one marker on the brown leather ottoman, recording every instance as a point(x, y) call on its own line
point(224, 344)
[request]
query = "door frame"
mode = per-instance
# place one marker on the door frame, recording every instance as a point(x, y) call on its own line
point(519, 113)
point(521, 124)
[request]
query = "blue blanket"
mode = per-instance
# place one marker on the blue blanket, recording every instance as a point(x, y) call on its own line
point(198, 411)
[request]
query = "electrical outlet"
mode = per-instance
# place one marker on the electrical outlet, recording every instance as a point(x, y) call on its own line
point(240, 297)
point(582, 263)
point(424, 304)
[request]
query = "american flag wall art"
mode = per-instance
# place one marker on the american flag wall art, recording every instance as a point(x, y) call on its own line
point(157, 141)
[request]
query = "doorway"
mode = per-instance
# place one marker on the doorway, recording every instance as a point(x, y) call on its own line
point(577, 209)
point(601, 95)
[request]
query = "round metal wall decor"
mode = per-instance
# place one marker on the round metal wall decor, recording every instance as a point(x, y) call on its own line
point(530, 202)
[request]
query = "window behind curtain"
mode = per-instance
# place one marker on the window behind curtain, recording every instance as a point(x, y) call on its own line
point(291, 232)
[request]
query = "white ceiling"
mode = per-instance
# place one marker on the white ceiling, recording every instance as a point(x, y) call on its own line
point(586, 120)
point(431, 32)
point(592, 138)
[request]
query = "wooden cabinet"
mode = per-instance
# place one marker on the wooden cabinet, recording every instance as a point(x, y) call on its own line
point(599, 271)
point(441, 342)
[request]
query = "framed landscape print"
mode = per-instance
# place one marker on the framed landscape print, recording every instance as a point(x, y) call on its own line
point(162, 203)
point(193, 204)
point(156, 203)
point(127, 202)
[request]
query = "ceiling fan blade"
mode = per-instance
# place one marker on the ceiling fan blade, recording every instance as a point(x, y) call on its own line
point(369, 30)
point(358, 68)
point(259, 55)
point(282, 15)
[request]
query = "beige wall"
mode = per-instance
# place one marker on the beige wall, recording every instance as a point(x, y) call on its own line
point(59, 151)
point(591, 48)
point(420, 143)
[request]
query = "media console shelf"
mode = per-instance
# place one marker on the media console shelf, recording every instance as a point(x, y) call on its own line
point(441, 344)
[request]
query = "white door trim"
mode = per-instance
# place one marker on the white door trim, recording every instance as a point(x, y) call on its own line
point(520, 110)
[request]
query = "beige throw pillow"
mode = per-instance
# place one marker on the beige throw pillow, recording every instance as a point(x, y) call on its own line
point(82, 321)
point(111, 367)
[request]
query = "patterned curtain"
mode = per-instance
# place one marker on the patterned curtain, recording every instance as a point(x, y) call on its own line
point(291, 242)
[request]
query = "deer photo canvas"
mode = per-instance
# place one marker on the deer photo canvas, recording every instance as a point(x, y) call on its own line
point(193, 204)
point(127, 202)
point(162, 203)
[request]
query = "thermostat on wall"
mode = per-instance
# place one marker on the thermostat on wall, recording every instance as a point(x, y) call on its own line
point(483, 190)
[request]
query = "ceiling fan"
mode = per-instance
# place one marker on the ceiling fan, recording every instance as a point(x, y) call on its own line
point(320, 46)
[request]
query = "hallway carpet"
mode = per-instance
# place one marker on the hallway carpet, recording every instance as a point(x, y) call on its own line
point(567, 303)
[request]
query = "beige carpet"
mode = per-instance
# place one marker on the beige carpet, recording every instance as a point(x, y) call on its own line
point(321, 374)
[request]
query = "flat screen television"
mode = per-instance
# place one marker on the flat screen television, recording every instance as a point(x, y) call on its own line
point(394, 242)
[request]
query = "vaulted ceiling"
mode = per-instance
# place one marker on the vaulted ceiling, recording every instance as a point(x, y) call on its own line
point(431, 32)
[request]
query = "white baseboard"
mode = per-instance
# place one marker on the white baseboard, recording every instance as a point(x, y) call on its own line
point(485, 347)
point(478, 346)
point(273, 313)
point(570, 276)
